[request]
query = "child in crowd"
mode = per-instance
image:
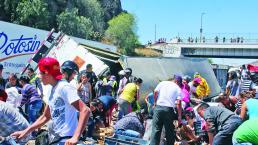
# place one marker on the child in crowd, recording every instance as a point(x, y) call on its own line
point(149, 99)
point(84, 88)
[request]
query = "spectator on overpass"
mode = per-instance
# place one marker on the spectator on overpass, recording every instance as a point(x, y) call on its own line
point(242, 40)
point(203, 39)
point(216, 39)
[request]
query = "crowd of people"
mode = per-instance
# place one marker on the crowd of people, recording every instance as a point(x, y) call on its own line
point(216, 39)
point(179, 110)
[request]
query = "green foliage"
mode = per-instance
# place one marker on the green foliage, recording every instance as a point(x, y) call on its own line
point(8, 9)
point(32, 13)
point(121, 32)
point(92, 10)
point(89, 19)
point(73, 24)
point(210, 60)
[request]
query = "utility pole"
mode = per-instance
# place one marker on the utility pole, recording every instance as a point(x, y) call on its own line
point(201, 28)
point(155, 33)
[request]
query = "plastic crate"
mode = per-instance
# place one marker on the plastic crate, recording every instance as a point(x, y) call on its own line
point(124, 140)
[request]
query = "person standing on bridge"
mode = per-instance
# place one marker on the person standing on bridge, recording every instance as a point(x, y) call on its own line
point(216, 39)
point(224, 39)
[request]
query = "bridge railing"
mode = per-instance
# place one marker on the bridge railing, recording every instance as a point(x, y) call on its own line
point(210, 41)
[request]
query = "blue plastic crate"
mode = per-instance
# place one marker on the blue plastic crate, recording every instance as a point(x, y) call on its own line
point(125, 140)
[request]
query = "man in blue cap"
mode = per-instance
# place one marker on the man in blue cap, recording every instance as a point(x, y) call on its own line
point(165, 96)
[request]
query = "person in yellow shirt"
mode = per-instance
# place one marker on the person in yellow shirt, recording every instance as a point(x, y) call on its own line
point(202, 90)
point(130, 93)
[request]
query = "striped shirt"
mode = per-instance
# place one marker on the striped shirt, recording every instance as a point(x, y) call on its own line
point(238, 106)
point(29, 94)
point(246, 85)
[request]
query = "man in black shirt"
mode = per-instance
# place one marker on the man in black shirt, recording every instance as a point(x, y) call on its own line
point(93, 77)
point(221, 123)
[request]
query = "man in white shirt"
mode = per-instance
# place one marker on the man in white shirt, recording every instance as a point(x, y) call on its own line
point(193, 85)
point(165, 96)
point(63, 104)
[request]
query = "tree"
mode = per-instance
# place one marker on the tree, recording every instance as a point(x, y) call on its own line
point(32, 13)
point(92, 10)
point(70, 23)
point(8, 9)
point(210, 60)
point(111, 8)
point(121, 32)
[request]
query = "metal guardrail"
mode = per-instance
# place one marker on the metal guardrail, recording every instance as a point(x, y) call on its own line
point(208, 41)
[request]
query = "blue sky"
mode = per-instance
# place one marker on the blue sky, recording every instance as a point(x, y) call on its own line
point(229, 18)
point(183, 17)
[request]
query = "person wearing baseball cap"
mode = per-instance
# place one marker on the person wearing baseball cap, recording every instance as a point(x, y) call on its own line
point(62, 107)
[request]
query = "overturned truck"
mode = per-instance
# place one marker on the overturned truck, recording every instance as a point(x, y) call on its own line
point(155, 69)
point(28, 45)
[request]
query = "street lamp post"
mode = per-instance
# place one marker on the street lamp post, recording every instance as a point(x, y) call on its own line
point(201, 28)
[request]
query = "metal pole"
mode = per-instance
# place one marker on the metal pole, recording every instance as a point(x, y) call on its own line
point(155, 33)
point(201, 28)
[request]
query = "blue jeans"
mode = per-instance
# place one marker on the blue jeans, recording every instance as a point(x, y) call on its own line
point(235, 142)
point(150, 109)
point(91, 125)
point(123, 108)
point(34, 110)
point(128, 132)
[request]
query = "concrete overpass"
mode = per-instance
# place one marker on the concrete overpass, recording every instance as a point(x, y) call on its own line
point(211, 50)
